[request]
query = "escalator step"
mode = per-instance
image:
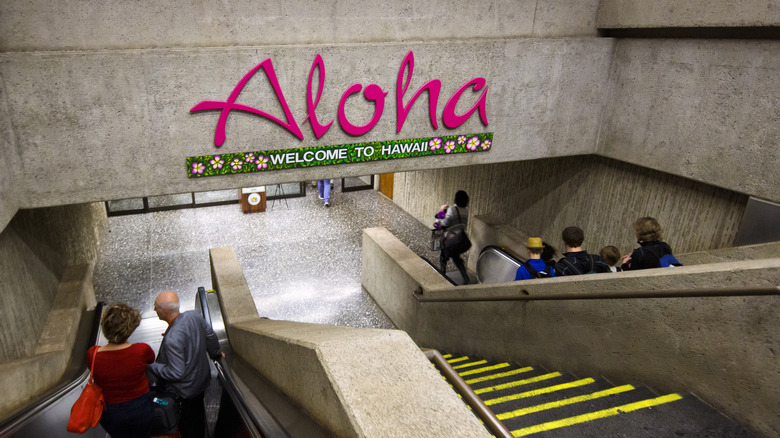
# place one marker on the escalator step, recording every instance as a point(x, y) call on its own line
point(559, 414)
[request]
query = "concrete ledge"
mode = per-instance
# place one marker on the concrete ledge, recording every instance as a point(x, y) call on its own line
point(391, 267)
point(692, 13)
point(24, 379)
point(737, 253)
point(723, 349)
point(355, 382)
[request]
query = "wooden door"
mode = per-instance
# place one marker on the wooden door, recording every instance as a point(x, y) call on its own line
point(386, 184)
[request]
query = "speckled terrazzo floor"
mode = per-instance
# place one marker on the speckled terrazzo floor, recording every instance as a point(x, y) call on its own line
point(302, 261)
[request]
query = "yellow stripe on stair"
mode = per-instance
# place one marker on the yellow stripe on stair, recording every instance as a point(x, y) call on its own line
point(540, 391)
point(458, 359)
point(499, 375)
point(596, 415)
point(484, 369)
point(518, 383)
point(470, 364)
point(565, 402)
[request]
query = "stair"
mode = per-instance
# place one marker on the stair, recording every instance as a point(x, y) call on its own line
point(532, 401)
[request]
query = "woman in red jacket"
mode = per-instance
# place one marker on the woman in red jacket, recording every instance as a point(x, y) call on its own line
point(120, 370)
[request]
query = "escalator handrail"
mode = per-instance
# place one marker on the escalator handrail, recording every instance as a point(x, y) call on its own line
point(501, 251)
point(31, 411)
point(266, 427)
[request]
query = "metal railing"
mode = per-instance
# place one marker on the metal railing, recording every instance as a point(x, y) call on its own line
point(621, 295)
point(461, 387)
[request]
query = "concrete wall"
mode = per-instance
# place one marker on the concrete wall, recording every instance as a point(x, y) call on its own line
point(101, 112)
point(602, 196)
point(106, 108)
point(722, 349)
point(354, 382)
point(8, 165)
point(35, 250)
point(695, 108)
point(39, 25)
point(24, 378)
point(78, 142)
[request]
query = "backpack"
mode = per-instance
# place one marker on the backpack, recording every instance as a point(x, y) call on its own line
point(593, 265)
point(537, 274)
point(665, 261)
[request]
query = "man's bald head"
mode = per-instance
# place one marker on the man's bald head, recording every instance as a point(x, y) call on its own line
point(167, 306)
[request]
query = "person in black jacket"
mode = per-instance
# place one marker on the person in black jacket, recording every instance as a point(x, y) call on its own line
point(577, 261)
point(651, 248)
point(456, 220)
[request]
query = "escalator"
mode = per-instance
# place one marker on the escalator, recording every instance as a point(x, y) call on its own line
point(237, 401)
point(443, 274)
point(263, 410)
point(495, 265)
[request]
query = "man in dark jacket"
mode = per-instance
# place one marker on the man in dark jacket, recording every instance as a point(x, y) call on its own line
point(576, 260)
point(183, 361)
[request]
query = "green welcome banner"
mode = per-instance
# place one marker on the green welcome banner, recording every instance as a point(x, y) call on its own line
point(264, 161)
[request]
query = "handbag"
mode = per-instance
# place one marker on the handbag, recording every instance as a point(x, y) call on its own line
point(167, 411)
point(456, 241)
point(88, 409)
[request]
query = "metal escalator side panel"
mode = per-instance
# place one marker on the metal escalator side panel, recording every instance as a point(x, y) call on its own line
point(238, 402)
point(496, 266)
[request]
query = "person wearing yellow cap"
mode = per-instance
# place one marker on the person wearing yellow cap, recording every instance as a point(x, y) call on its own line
point(534, 267)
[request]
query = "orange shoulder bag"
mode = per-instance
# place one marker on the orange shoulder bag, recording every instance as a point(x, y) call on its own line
point(88, 409)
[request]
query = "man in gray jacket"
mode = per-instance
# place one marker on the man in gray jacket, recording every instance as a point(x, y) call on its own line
point(183, 361)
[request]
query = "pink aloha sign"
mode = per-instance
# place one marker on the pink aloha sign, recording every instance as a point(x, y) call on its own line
point(372, 92)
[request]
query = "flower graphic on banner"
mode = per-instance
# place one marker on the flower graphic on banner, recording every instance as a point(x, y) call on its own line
point(472, 144)
point(216, 162)
point(198, 167)
point(273, 160)
point(449, 146)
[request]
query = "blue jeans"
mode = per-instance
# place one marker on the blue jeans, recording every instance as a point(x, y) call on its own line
point(132, 419)
point(323, 186)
